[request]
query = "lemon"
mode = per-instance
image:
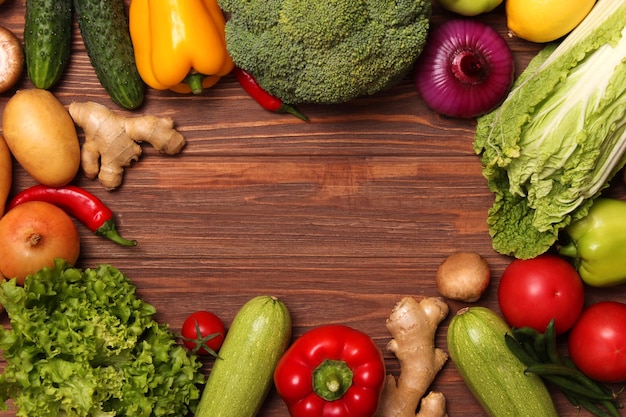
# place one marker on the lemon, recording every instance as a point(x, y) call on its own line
point(545, 20)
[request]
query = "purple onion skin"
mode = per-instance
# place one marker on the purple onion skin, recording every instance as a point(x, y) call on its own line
point(465, 70)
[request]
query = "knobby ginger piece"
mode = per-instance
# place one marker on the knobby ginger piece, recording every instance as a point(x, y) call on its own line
point(112, 141)
point(412, 326)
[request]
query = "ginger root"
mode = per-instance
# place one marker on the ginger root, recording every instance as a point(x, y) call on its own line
point(412, 326)
point(112, 141)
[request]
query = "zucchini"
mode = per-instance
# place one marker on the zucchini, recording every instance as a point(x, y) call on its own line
point(491, 371)
point(243, 372)
point(104, 27)
point(47, 40)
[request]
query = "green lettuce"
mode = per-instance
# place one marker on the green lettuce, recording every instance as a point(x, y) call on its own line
point(82, 343)
point(559, 137)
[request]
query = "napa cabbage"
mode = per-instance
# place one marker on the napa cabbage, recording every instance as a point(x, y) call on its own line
point(559, 137)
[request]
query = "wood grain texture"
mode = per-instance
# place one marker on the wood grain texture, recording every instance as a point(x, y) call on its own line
point(340, 217)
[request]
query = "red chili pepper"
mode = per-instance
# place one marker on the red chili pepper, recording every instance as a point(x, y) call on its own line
point(331, 370)
point(80, 203)
point(265, 99)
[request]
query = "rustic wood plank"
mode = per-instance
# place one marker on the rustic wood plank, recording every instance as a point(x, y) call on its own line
point(340, 217)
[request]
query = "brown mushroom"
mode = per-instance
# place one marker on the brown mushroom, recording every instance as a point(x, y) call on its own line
point(11, 59)
point(463, 276)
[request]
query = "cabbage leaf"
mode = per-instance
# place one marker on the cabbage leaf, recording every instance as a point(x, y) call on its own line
point(82, 343)
point(559, 137)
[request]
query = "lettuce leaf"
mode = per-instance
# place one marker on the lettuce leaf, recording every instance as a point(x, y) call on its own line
point(560, 135)
point(82, 343)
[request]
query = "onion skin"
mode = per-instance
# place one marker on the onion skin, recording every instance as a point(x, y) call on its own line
point(465, 70)
point(32, 235)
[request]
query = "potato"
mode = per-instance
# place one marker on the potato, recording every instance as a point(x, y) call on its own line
point(42, 136)
point(6, 175)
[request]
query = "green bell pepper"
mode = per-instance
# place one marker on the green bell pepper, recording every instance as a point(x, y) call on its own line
point(598, 243)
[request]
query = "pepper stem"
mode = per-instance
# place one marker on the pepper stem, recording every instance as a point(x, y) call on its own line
point(570, 250)
point(288, 108)
point(108, 230)
point(194, 81)
point(331, 379)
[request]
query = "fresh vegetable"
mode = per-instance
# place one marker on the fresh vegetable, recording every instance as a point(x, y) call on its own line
point(463, 276)
point(6, 174)
point(41, 136)
point(11, 59)
point(266, 100)
point(539, 352)
point(331, 370)
point(179, 45)
point(597, 242)
point(112, 141)
point(559, 136)
point(32, 235)
point(203, 333)
point(413, 328)
point(597, 342)
point(242, 375)
point(82, 343)
point(495, 376)
point(545, 20)
point(325, 51)
point(532, 292)
point(465, 70)
point(469, 7)
point(47, 40)
point(104, 29)
point(77, 202)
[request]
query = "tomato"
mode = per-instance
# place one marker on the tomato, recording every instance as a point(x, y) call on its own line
point(32, 235)
point(203, 333)
point(597, 342)
point(534, 291)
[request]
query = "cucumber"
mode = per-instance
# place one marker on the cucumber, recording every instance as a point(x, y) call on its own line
point(47, 40)
point(243, 372)
point(492, 373)
point(104, 27)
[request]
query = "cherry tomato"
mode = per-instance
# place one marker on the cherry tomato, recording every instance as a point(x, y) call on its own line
point(534, 291)
point(203, 333)
point(597, 342)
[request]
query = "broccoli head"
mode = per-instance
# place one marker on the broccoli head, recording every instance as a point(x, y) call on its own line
point(328, 51)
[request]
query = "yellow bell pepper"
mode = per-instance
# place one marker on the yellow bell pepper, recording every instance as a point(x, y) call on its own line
point(179, 44)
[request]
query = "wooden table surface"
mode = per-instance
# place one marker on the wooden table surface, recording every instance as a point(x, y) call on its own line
point(340, 217)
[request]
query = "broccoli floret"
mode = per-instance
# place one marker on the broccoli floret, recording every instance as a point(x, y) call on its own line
point(328, 51)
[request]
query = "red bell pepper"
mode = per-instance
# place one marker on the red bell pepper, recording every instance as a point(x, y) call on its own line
point(331, 370)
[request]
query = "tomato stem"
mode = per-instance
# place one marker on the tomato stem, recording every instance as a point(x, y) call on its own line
point(201, 342)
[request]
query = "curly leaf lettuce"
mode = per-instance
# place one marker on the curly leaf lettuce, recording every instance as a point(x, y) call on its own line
point(560, 135)
point(81, 343)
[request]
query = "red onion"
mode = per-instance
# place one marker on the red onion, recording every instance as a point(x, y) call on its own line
point(465, 70)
